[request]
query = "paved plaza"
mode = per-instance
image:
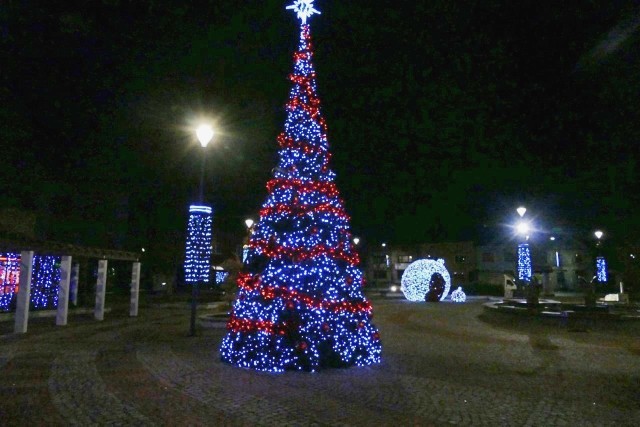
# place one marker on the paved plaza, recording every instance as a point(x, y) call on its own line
point(443, 364)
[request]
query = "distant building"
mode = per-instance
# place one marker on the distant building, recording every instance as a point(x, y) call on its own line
point(557, 264)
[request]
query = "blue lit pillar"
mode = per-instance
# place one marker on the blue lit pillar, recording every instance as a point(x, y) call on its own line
point(197, 263)
point(601, 269)
point(524, 262)
point(198, 247)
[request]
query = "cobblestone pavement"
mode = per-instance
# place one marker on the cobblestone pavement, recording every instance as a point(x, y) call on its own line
point(442, 364)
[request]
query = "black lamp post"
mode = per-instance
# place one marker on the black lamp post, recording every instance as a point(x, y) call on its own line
point(204, 133)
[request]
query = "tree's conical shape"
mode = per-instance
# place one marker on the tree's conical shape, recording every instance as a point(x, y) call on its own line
point(300, 303)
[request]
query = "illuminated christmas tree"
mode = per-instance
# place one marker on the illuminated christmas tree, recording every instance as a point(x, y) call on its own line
point(300, 303)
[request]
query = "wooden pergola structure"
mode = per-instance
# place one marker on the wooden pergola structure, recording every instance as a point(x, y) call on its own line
point(68, 275)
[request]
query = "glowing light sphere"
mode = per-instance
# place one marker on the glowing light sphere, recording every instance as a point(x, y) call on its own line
point(416, 279)
point(458, 295)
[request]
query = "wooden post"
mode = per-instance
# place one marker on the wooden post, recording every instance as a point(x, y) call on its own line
point(73, 286)
point(24, 293)
point(135, 288)
point(63, 291)
point(101, 289)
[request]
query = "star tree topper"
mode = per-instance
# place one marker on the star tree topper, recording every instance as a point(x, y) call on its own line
point(304, 9)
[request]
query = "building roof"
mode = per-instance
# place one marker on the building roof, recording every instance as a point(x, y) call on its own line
point(9, 244)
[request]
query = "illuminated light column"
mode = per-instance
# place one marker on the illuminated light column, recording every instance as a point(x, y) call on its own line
point(24, 293)
point(198, 248)
point(524, 262)
point(601, 263)
point(73, 285)
point(135, 288)
point(101, 289)
point(63, 291)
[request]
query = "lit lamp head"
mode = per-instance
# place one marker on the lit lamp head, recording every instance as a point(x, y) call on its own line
point(204, 132)
point(523, 228)
point(248, 222)
point(598, 234)
point(356, 240)
point(521, 211)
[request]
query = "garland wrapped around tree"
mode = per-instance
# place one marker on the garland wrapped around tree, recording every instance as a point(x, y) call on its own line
point(300, 303)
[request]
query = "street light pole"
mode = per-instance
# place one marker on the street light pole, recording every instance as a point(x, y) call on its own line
point(204, 133)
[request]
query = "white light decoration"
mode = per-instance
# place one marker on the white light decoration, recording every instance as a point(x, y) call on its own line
point(521, 211)
point(303, 9)
point(198, 246)
point(416, 279)
point(598, 234)
point(458, 295)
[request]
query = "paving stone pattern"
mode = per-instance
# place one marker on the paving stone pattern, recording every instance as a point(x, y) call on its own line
point(443, 364)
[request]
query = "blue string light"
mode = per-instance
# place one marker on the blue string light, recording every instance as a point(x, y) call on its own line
point(198, 246)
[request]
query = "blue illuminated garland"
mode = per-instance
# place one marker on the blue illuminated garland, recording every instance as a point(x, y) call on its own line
point(45, 281)
point(524, 262)
point(198, 246)
point(300, 304)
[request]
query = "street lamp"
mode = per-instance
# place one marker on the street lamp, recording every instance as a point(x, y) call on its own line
point(524, 253)
point(356, 240)
point(204, 133)
point(601, 263)
point(248, 222)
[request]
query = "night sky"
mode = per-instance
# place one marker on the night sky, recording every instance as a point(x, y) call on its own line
point(443, 116)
